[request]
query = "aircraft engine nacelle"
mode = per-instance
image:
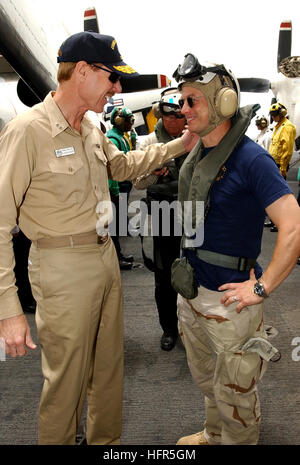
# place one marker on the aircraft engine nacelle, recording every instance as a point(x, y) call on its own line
point(26, 95)
point(26, 53)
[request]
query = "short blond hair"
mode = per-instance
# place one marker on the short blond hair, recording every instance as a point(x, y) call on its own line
point(65, 71)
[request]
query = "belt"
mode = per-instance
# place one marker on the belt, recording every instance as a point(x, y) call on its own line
point(227, 261)
point(70, 241)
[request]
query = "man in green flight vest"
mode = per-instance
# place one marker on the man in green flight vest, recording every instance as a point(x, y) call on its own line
point(122, 120)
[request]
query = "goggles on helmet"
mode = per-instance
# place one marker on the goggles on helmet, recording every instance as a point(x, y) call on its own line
point(191, 69)
point(168, 109)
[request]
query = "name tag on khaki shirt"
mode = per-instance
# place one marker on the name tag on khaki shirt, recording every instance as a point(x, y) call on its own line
point(65, 152)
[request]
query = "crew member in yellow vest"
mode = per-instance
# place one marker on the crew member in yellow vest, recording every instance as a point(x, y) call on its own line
point(282, 144)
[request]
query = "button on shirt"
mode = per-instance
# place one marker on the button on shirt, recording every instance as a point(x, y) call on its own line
point(55, 179)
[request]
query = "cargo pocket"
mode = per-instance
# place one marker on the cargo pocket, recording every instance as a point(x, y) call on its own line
point(237, 376)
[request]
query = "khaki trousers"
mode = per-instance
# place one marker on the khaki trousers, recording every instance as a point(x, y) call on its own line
point(80, 330)
point(228, 376)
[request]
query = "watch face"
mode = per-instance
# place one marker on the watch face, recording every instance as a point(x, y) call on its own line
point(259, 290)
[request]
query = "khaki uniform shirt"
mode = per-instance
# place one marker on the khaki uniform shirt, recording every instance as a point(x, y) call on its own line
point(54, 180)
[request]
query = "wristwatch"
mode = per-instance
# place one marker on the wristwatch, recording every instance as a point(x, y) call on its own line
point(260, 290)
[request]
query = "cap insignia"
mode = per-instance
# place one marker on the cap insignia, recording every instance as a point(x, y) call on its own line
point(125, 69)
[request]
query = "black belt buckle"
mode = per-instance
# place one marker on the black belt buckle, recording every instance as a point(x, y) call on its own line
point(242, 264)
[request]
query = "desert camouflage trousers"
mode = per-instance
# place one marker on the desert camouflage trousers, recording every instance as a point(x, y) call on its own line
point(213, 336)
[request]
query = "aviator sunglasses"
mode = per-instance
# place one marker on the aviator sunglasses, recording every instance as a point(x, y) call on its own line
point(113, 77)
point(190, 101)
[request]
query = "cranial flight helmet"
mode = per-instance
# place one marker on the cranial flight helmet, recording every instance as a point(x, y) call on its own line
point(121, 115)
point(217, 83)
point(168, 104)
point(278, 109)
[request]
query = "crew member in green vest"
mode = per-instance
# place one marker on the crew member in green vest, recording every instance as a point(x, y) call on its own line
point(222, 286)
point(122, 120)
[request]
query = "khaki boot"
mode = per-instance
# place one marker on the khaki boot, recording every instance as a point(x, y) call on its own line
point(197, 439)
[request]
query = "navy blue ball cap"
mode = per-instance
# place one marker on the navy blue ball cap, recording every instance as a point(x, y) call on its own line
point(95, 48)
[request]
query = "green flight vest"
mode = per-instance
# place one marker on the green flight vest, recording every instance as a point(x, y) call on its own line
point(196, 179)
point(117, 137)
point(197, 174)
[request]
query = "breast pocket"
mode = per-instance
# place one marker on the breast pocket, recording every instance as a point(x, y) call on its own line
point(67, 177)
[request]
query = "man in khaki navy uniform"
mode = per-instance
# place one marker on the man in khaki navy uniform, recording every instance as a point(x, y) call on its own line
point(220, 313)
point(54, 168)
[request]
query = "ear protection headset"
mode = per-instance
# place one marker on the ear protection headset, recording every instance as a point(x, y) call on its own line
point(222, 95)
point(218, 84)
point(118, 116)
point(278, 109)
point(226, 98)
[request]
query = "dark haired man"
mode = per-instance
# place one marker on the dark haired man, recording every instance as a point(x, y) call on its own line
point(122, 121)
point(222, 286)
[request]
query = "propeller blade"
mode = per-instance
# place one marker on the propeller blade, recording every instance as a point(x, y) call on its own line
point(144, 82)
point(284, 42)
point(90, 22)
point(254, 85)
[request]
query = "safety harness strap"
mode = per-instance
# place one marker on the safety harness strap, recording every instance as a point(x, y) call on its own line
point(227, 261)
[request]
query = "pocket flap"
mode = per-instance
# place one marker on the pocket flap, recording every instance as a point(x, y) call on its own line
point(65, 165)
point(101, 156)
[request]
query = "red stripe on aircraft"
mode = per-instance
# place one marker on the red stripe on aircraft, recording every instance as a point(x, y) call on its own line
point(286, 25)
point(163, 80)
point(91, 12)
